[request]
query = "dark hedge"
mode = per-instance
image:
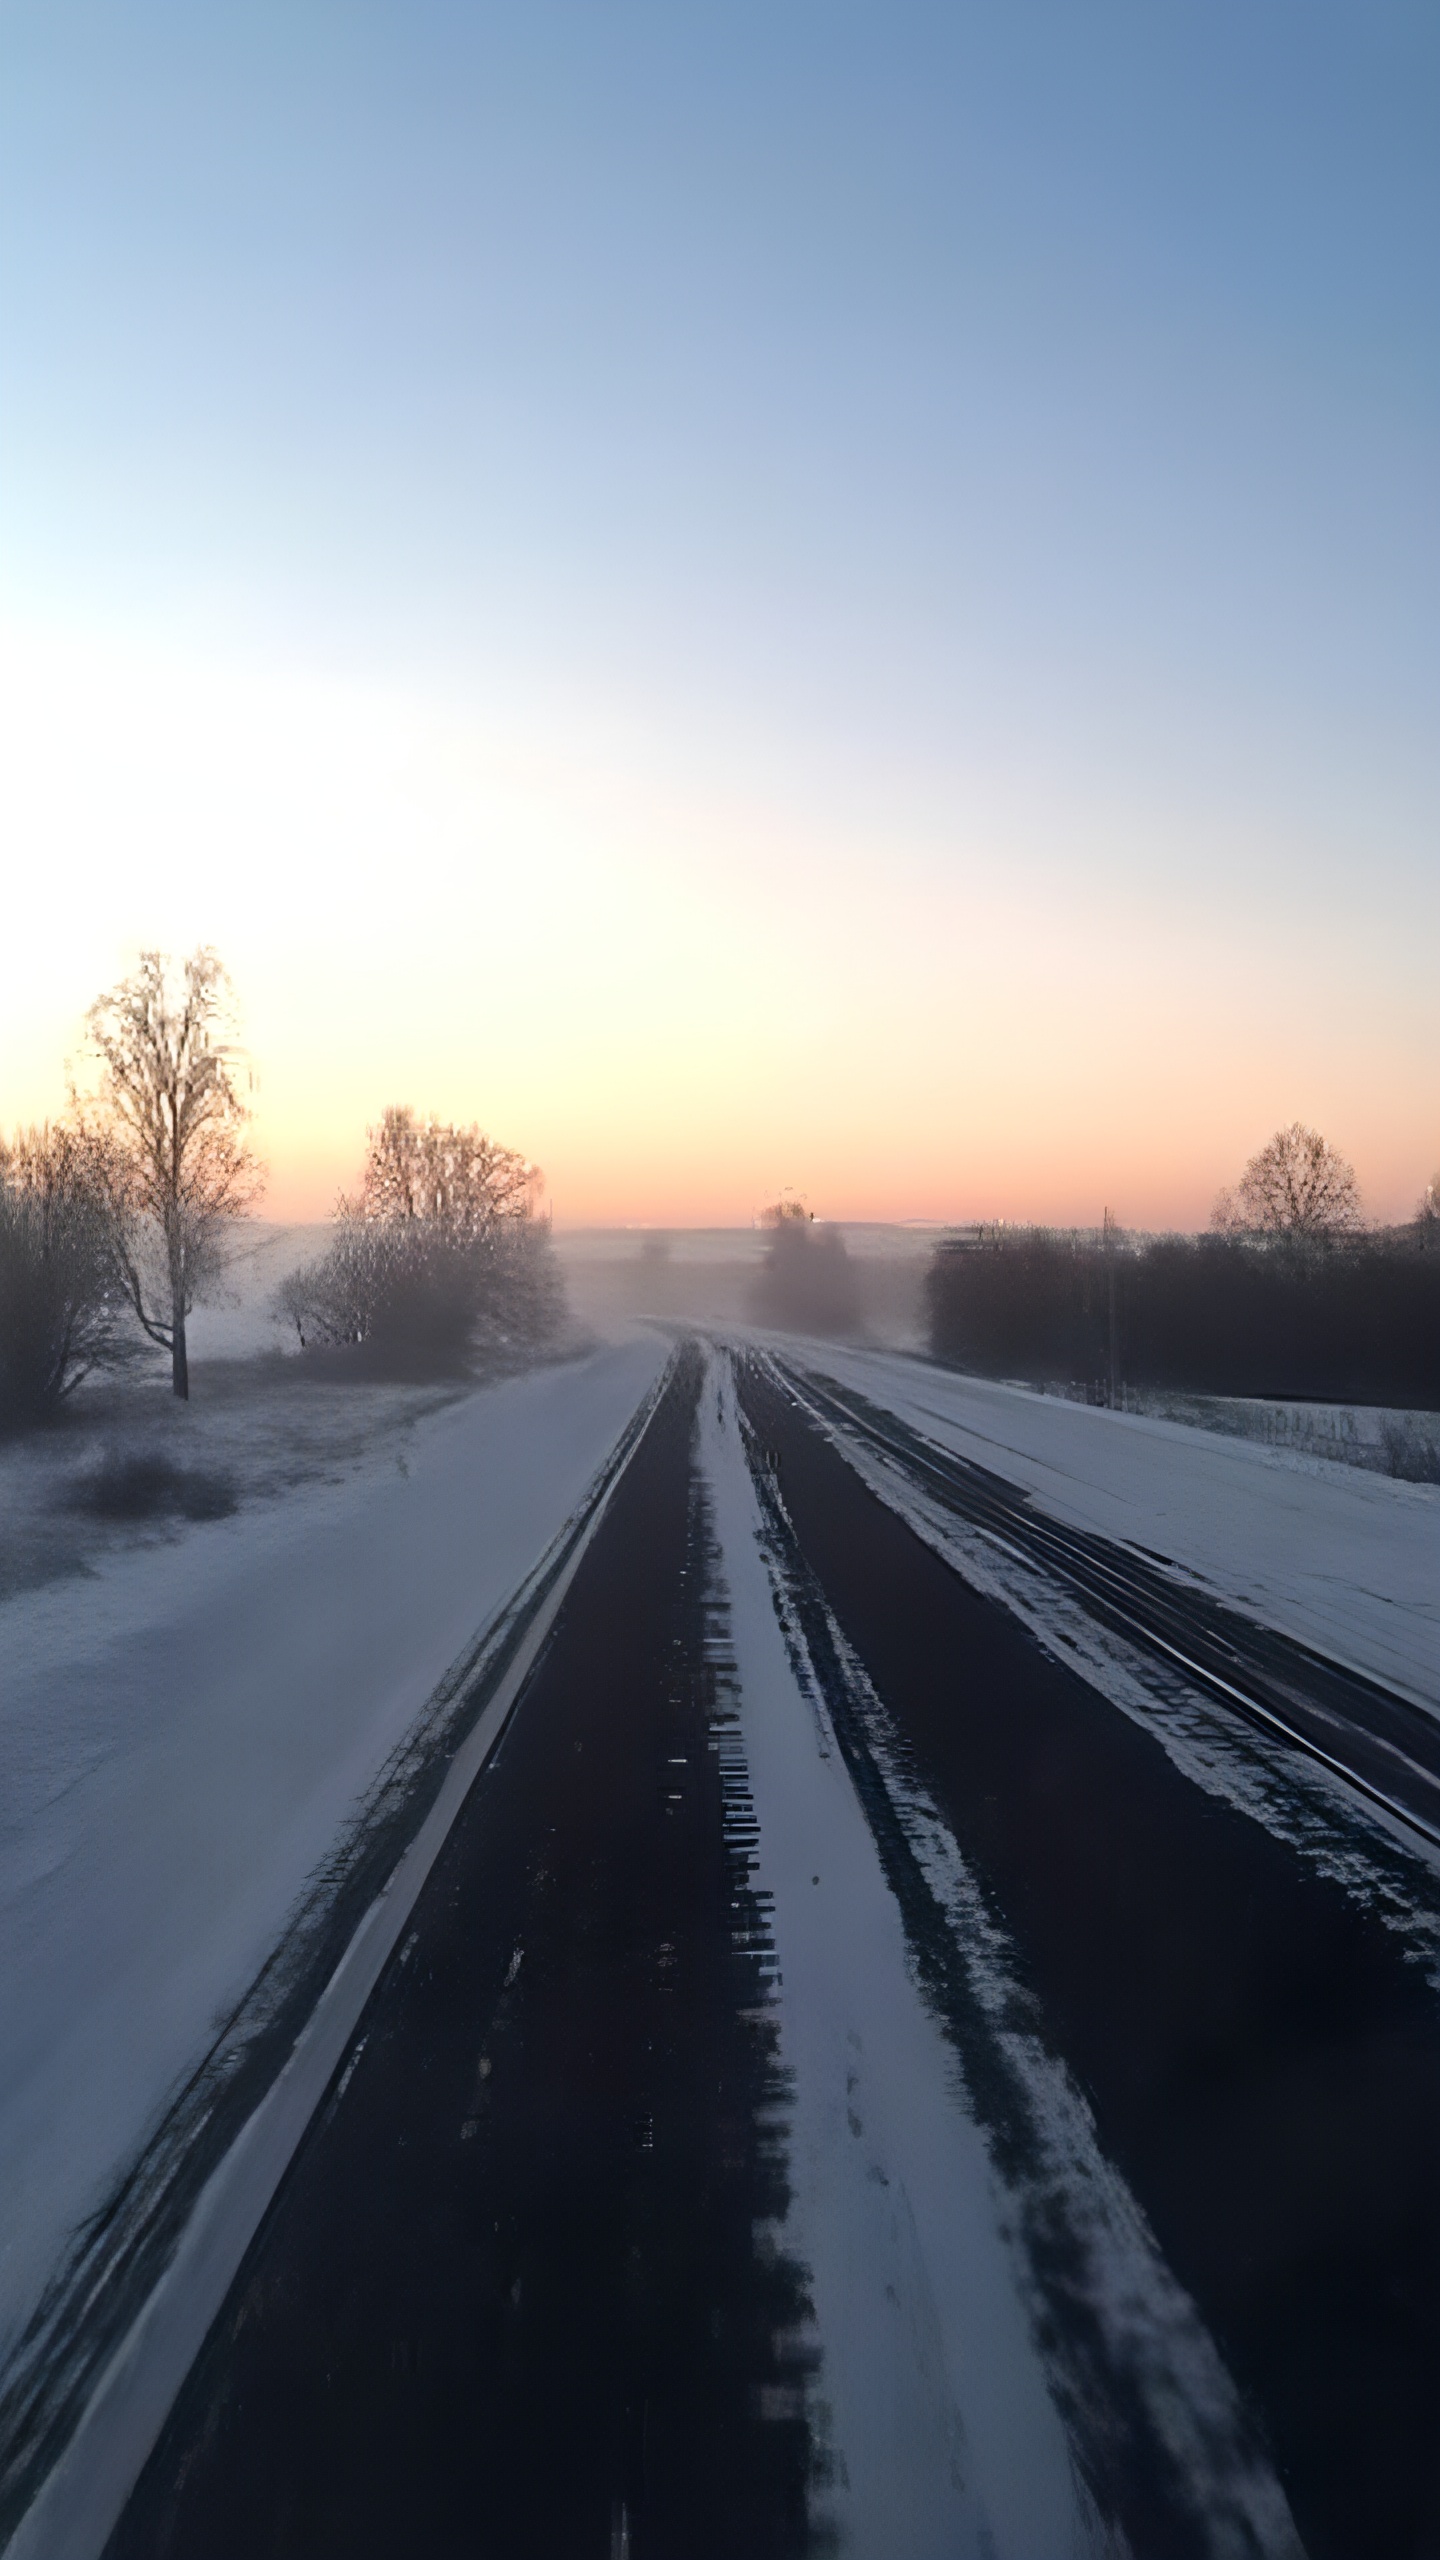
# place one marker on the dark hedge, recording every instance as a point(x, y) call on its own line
point(1356, 1322)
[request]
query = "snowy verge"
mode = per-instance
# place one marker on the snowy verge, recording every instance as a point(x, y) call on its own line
point(1346, 1562)
point(187, 1735)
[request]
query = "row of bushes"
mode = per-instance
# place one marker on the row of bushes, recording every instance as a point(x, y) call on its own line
point(1353, 1320)
point(406, 1297)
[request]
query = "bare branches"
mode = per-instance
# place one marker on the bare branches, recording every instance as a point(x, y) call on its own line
point(439, 1260)
point(170, 1112)
point(1298, 1186)
point(455, 1178)
point(59, 1287)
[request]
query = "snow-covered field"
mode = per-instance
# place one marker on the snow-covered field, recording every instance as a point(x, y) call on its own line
point(1391, 1440)
point(187, 1722)
point(1342, 1559)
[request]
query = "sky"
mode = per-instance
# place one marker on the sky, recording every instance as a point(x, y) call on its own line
point(790, 596)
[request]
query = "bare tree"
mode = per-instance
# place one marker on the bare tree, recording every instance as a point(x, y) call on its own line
point(1427, 1209)
point(1298, 1186)
point(807, 1282)
point(171, 1113)
point(457, 1179)
point(440, 1257)
point(59, 1298)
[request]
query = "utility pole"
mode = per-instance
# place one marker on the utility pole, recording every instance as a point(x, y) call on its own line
point(1109, 1231)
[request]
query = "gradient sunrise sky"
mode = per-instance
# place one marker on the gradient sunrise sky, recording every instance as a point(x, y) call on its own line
point(752, 595)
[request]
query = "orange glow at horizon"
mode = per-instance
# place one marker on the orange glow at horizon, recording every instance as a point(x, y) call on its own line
point(678, 1004)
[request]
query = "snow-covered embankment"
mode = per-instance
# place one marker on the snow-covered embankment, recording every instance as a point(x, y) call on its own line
point(1344, 1561)
point(186, 1734)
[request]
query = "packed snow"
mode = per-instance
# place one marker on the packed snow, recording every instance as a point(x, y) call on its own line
point(186, 1728)
point(1342, 1560)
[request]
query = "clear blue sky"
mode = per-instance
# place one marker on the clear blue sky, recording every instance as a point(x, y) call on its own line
point(998, 442)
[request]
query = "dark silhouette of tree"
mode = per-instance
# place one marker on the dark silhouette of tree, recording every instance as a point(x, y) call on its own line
point(1298, 1186)
point(807, 1283)
point(60, 1300)
point(168, 1116)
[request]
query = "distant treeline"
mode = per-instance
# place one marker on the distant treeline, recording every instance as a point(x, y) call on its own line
point(1346, 1320)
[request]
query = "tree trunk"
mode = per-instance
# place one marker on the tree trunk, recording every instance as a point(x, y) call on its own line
point(179, 1363)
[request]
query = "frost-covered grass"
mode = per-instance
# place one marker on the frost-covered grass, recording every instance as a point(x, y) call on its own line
point(254, 1429)
point(126, 1465)
point(1387, 1440)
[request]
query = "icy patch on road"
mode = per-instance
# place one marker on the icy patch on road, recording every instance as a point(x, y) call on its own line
point(943, 2434)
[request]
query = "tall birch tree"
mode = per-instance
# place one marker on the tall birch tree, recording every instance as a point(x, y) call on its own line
point(171, 1109)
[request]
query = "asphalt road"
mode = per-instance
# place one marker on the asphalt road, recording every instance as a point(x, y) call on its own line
point(1260, 2052)
point(584, 2252)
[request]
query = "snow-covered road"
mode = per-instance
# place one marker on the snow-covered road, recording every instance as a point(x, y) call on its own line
point(854, 2078)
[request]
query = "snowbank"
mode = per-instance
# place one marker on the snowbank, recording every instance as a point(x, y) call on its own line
point(1344, 1561)
point(185, 1732)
